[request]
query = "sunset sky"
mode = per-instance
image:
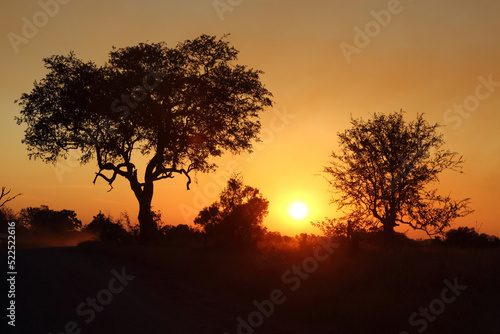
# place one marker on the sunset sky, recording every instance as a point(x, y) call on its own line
point(324, 61)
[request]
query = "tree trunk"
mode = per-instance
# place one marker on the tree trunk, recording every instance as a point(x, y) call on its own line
point(389, 232)
point(352, 239)
point(148, 228)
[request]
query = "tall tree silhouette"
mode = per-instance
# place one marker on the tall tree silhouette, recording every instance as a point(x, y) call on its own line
point(382, 176)
point(178, 106)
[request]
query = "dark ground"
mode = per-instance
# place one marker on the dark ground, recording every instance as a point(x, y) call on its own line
point(182, 291)
point(52, 282)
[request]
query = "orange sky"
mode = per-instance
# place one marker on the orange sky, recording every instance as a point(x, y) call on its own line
point(421, 56)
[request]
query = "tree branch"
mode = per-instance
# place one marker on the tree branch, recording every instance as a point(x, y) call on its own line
point(5, 194)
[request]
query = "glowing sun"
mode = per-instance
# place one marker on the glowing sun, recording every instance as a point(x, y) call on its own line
point(298, 210)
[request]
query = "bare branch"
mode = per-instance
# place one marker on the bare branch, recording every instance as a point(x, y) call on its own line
point(4, 196)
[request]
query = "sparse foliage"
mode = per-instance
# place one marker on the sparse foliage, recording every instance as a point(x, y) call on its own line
point(381, 176)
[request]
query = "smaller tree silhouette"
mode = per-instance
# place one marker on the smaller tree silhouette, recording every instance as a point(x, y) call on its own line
point(235, 220)
point(107, 230)
point(384, 174)
point(43, 219)
point(469, 238)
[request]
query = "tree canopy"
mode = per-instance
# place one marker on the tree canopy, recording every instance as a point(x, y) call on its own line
point(43, 219)
point(383, 175)
point(235, 220)
point(178, 106)
point(468, 237)
point(107, 230)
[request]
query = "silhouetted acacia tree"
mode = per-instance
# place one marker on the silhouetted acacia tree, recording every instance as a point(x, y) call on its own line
point(236, 219)
point(178, 106)
point(382, 176)
point(43, 219)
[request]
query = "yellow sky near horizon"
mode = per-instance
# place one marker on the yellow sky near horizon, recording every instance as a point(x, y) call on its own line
point(425, 57)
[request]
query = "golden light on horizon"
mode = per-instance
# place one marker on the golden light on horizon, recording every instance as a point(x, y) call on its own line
point(298, 210)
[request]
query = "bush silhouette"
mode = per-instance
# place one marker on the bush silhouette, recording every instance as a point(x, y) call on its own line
point(468, 238)
point(107, 230)
point(43, 219)
point(235, 221)
point(180, 233)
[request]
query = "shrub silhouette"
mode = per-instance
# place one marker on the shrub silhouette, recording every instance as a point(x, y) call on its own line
point(180, 233)
point(235, 220)
point(43, 219)
point(107, 230)
point(7, 215)
point(468, 238)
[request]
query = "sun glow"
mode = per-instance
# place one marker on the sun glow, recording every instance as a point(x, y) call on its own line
point(298, 210)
